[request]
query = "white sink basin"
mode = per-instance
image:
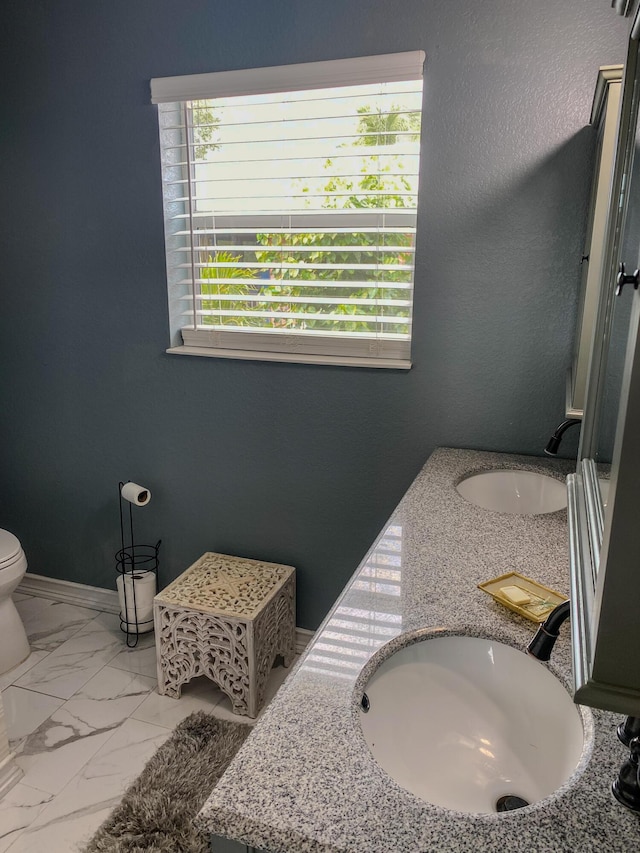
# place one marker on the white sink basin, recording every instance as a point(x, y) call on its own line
point(517, 492)
point(461, 722)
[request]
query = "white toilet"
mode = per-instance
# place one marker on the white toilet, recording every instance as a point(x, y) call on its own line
point(14, 646)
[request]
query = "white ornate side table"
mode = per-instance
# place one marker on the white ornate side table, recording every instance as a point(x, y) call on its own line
point(227, 618)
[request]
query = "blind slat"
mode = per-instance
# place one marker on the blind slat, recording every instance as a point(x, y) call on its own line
point(292, 248)
point(289, 248)
point(302, 267)
point(333, 229)
point(292, 265)
point(239, 181)
point(303, 315)
point(302, 120)
point(301, 300)
point(372, 151)
point(379, 285)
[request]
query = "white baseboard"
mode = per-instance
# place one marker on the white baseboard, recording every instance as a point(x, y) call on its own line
point(67, 592)
point(96, 598)
point(303, 638)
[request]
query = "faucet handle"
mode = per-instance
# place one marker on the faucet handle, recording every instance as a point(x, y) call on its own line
point(628, 730)
point(626, 788)
point(624, 278)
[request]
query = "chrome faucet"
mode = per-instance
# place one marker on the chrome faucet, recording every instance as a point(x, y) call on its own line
point(554, 442)
point(547, 634)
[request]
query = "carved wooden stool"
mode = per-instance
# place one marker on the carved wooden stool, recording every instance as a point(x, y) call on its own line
point(227, 618)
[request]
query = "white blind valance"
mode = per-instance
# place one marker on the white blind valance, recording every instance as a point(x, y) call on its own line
point(385, 68)
point(290, 210)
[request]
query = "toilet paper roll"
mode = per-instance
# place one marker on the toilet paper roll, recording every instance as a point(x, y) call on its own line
point(135, 494)
point(138, 611)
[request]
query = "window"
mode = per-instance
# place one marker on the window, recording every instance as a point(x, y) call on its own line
point(290, 198)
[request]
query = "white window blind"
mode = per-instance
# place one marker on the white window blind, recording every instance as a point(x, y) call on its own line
point(290, 198)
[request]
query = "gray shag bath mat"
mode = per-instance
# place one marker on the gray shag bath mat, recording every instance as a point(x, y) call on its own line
point(156, 813)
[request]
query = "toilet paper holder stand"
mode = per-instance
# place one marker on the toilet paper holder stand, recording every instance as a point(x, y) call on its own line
point(134, 564)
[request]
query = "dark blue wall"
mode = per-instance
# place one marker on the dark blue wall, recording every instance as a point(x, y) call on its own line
point(291, 463)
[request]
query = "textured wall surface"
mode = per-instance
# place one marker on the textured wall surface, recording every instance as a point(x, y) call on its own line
point(290, 463)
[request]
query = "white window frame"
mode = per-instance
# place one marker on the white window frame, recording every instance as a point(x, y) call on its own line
point(334, 348)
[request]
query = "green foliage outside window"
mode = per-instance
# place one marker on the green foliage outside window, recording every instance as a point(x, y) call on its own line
point(379, 187)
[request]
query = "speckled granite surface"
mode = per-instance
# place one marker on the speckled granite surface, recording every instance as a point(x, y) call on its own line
point(305, 780)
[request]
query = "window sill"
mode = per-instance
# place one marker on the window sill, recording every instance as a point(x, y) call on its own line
point(298, 358)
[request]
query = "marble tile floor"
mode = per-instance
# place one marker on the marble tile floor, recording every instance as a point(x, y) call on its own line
point(84, 717)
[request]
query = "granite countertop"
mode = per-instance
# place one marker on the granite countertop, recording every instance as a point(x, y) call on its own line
point(305, 780)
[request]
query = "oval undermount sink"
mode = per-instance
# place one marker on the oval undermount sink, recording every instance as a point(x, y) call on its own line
point(463, 722)
point(516, 492)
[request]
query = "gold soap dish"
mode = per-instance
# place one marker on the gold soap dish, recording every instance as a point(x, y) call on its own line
point(542, 599)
